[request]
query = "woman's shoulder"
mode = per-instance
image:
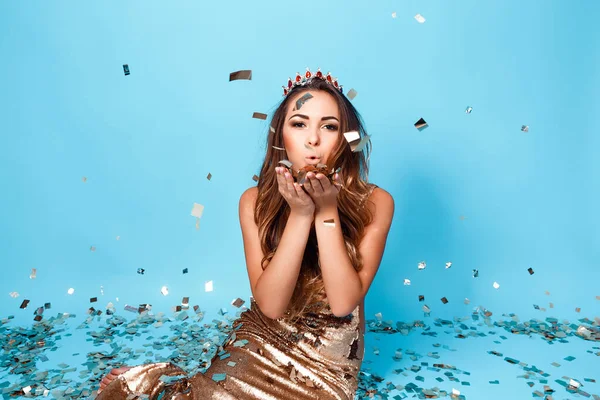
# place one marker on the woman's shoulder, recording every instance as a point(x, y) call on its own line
point(378, 195)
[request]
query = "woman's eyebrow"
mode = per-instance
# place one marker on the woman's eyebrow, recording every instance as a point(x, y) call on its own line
point(306, 117)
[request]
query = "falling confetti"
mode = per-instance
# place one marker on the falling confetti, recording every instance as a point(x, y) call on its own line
point(126, 69)
point(406, 282)
point(421, 124)
point(71, 291)
point(422, 265)
point(258, 115)
point(448, 265)
point(420, 18)
point(525, 128)
point(239, 75)
point(164, 290)
point(355, 141)
point(141, 271)
point(496, 285)
point(351, 94)
point(209, 176)
point(394, 14)
point(197, 212)
point(208, 286)
point(33, 273)
point(468, 110)
point(300, 102)
point(475, 273)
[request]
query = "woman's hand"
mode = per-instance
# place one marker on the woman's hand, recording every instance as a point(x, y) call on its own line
point(322, 191)
point(294, 194)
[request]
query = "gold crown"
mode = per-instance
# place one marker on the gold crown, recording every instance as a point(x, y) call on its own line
point(308, 76)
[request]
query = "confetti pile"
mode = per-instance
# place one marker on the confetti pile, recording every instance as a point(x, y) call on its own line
point(193, 346)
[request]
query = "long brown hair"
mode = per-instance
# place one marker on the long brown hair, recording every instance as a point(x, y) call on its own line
point(271, 210)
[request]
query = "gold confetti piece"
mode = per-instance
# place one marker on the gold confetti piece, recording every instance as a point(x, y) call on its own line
point(24, 304)
point(92, 248)
point(421, 297)
point(555, 364)
point(455, 392)
point(422, 265)
point(355, 141)
point(525, 128)
point(237, 302)
point(426, 308)
point(530, 270)
point(208, 286)
point(126, 69)
point(271, 128)
point(578, 309)
point(597, 297)
point(448, 265)
point(351, 94)
point(496, 285)
point(255, 178)
point(278, 148)
point(394, 14)
point(164, 290)
point(468, 110)
point(406, 282)
point(241, 74)
point(444, 300)
point(84, 179)
point(209, 176)
point(71, 291)
point(185, 303)
point(420, 18)
point(258, 115)
point(33, 273)
point(330, 223)
point(547, 293)
point(421, 124)
point(197, 210)
point(286, 163)
point(551, 305)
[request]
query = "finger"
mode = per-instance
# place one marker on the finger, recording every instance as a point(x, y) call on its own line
point(316, 184)
point(290, 184)
point(281, 181)
point(324, 181)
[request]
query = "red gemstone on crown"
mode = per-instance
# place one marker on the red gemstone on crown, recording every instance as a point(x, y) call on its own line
point(319, 74)
point(298, 77)
point(328, 78)
point(308, 74)
point(335, 83)
point(290, 83)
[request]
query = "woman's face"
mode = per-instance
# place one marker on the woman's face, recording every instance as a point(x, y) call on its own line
point(311, 128)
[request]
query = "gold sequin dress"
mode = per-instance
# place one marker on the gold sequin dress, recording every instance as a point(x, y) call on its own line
point(318, 357)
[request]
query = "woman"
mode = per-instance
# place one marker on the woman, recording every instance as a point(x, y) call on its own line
point(303, 336)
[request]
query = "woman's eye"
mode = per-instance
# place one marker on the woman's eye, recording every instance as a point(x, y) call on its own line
point(329, 127)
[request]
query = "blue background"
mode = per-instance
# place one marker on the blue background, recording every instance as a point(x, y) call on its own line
point(146, 142)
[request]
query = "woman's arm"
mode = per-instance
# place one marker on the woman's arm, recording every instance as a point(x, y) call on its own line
point(276, 284)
